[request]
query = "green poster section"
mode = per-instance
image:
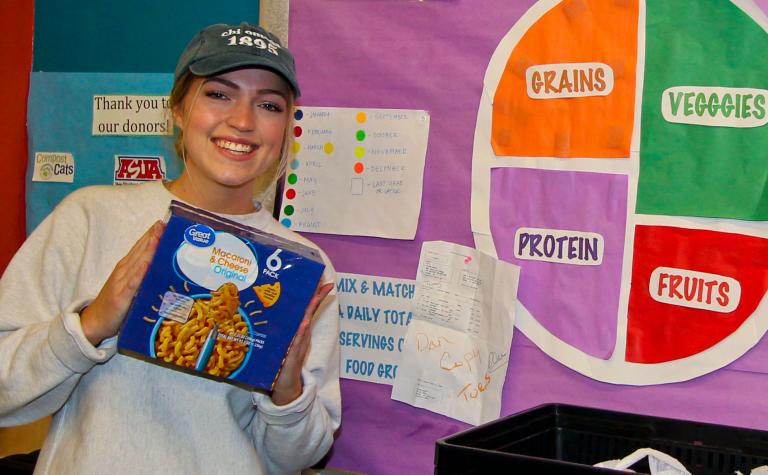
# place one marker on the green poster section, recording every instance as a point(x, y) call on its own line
point(120, 36)
point(701, 170)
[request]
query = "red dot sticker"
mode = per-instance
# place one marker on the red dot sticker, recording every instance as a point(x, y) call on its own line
point(297, 131)
point(290, 194)
point(359, 168)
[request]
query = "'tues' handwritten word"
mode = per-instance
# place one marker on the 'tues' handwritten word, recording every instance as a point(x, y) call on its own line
point(472, 391)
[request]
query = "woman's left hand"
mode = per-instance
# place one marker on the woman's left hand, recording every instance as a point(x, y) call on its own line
point(288, 386)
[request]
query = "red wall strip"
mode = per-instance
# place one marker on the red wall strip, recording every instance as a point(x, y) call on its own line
point(16, 53)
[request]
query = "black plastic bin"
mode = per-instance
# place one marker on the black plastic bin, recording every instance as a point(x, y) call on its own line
point(563, 439)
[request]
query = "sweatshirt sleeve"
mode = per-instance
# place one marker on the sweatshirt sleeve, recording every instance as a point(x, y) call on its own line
point(43, 352)
point(297, 435)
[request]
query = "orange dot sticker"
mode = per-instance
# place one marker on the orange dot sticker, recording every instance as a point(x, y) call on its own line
point(361, 117)
point(359, 168)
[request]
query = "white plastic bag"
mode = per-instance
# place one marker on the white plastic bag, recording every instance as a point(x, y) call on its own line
point(659, 463)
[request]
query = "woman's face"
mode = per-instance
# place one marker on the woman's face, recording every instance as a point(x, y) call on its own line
point(234, 128)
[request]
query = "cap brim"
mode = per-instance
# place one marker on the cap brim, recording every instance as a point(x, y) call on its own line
point(226, 62)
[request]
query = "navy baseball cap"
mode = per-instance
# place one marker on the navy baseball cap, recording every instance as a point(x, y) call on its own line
point(219, 48)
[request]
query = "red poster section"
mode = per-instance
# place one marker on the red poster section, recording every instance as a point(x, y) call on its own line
point(16, 55)
point(690, 289)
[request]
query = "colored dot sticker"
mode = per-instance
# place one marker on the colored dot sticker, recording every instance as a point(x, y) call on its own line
point(360, 135)
point(286, 222)
point(296, 147)
point(297, 131)
point(359, 152)
point(292, 178)
point(290, 194)
point(359, 168)
point(298, 114)
point(360, 117)
point(328, 148)
point(288, 210)
point(294, 164)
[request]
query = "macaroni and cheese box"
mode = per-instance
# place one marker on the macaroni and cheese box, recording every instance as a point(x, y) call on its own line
point(220, 299)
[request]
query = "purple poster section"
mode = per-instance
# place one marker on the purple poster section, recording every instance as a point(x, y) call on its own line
point(432, 55)
point(578, 304)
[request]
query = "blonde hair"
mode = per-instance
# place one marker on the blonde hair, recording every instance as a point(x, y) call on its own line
point(265, 181)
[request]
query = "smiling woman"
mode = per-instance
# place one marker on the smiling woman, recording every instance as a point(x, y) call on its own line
point(232, 102)
point(233, 129)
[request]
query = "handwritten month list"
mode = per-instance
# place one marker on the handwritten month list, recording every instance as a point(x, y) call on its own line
point(456, 349)
point(356, 172)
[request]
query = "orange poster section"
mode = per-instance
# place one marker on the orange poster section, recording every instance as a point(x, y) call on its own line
point(581, 34)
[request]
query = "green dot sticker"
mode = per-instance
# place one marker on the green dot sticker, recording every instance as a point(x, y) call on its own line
point(292, 178)
point(288, 210)
point(360, 135)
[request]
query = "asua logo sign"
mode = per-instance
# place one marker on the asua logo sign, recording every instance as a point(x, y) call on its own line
point(136, 169)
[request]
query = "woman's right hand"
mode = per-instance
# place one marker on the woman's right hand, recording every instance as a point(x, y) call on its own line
point(104, 316)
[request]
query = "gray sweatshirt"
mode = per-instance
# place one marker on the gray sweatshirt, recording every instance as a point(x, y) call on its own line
point(114, 414)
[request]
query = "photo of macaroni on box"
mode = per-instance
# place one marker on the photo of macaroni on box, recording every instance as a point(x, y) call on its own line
point(220, 300)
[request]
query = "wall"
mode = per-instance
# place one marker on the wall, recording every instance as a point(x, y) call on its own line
point(16, 56)
point(81, 36)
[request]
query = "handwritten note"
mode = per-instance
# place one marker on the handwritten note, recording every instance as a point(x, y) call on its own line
point(356, 172)
point(456, 349)
point(374, 314)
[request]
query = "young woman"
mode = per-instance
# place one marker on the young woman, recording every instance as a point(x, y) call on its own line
point(65, 294)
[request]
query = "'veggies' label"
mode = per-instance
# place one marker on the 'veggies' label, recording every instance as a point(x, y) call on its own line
point(715, 106)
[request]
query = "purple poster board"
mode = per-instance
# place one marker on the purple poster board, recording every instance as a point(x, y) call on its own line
point(432, 55)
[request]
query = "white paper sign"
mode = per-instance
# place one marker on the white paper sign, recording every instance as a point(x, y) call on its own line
point(131, 115)
point(356, 172)
point(374, 313)
point(456, 348)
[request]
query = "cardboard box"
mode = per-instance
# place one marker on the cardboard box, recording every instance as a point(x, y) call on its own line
point(220, 300)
